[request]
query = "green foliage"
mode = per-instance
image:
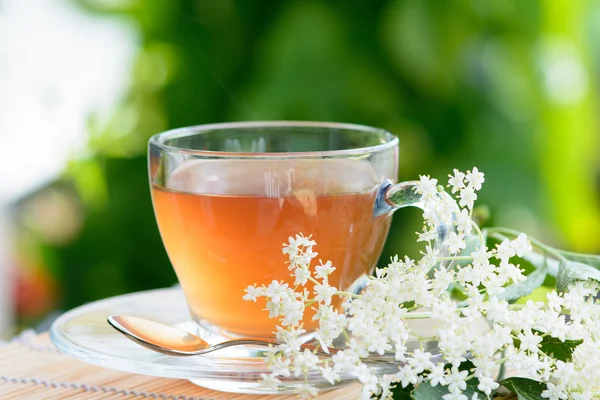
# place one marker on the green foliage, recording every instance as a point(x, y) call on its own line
point(525, 389)
point(565, 267)
point(588, 259)
point(518, 290)
point(561, 350)
point(119, 248)
point(458, 82)
point(427, 392)
point(558, 349)
point(571, 271)
point(402, 393)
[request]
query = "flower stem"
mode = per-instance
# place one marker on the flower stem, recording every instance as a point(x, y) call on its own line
point(313, 280)
point(347, 294)
point(417, 315)
point(502, 370)
point(478, 232)
point(455, 258)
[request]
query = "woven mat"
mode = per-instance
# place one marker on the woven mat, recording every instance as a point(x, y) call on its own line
point(31, 368)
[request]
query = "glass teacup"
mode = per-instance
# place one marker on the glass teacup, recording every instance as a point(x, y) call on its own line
point(227, 196)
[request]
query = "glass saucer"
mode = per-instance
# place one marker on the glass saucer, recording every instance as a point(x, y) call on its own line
point(84, 333)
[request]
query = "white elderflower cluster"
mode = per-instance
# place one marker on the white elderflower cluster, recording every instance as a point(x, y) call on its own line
point(475, 333)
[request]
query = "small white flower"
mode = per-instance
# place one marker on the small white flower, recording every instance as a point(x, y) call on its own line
point(428, 235)
point(486, 366)
point(505, 250)
point(467, 197)
point(446, 209)
point(293, 312)
point(330, 375)
point(436, 375)
point(305, 241)
point(559, 329)
point(481, 256)
point(407, 376)
point(464, 224)
point(279, 366)
point(304, 362)
point(443, 310)
point(443, 279)
point(427, 186)
point(290, 248)
point(475, 178)
point(301, 275)
point(304, 258)
point(456, 379)
point(323, 270)
point(275, 291)
point(290, 339)
point(345, 360)
point(564, 371)
point(385, 383)
point(487, 384)
point(456, 181)
point(521, 245)
point(252, 292)
point(324, 292)
point(497, 311)
point(555, 302)
point(269, 381)
point(455, 242)
point(367, 377)
point(554, 392)
point(420, 361)
point(305, 391)
point(430, 256)
point(529, 341)
point(455, 395)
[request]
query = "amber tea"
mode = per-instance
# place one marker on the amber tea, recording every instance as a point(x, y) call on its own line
point(223, 223)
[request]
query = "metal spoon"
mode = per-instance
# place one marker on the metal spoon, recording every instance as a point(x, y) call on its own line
point(173, 341)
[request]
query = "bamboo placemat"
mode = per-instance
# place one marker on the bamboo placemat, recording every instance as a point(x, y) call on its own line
point(32, 369)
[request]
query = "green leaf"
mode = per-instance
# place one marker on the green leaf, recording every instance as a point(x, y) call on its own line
point(525, 389)
point(533, 281)
point(588, 259)
point(541, 258)
point(572, 271)
point(427, 392)
point(555, 347)
point(400, 393)
point(560, 350)
point(538, 294)
point(457, 293)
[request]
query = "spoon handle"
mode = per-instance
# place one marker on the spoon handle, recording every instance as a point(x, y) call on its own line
point(374, 358)
point(254, 342)
point(243, 341)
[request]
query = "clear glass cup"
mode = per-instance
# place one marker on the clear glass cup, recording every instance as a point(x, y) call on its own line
point(227, 196)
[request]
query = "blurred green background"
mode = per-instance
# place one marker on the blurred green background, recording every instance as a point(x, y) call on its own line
point(508, 86)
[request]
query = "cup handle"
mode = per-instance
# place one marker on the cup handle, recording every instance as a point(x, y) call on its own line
point(392, 197)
